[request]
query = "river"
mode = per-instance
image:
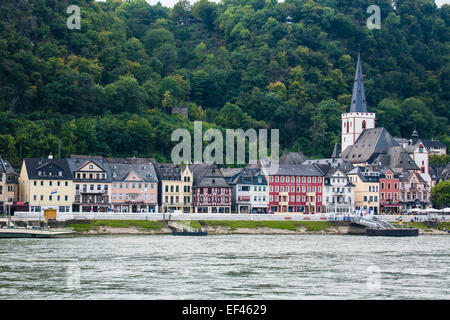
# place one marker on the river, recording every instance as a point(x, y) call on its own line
point(226, 267)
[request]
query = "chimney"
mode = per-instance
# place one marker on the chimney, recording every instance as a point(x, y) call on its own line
point(50, 156)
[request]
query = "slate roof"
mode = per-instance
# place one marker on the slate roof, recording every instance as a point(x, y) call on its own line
point(405, 176)
point(120, 168)
point(34, 164)
point(331, 163)
point(250, 176)
point(366, 174)
point(208, 175)
point(358, 103)
point(292, 157)
point(435, 144)
point(335, 153)
point(6, 168)
point(294, 170)
point(77, 161)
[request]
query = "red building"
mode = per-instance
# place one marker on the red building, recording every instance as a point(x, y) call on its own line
point(212, 194)
point(389, 191)
point(295, 188)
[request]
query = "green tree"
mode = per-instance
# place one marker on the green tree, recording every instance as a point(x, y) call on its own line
point(440, 194)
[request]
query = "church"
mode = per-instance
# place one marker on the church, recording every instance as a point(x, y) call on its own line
point(364, 144)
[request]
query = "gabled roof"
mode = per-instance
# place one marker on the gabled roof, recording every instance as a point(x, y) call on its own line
point(208, 175)
point(435, 144)
point(33, 164)
point(121, 168)
point(294, 170)
point(406, 176)
point(377, 146)
point(76, 162)
point(335, 153)
point(250, 176)
point(358, 103)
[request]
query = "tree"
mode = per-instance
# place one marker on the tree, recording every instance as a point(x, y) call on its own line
point(440, 194)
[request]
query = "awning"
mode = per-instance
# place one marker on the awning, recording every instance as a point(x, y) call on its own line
point(391, 205)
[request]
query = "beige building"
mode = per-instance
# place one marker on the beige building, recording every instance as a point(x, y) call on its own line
point(46, 184)
point(8, 185)
point(367, 184)
point(175, 182)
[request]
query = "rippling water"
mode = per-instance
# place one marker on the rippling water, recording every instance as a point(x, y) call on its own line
point(226, 267)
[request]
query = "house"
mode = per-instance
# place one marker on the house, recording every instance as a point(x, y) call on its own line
point(389, 191)
point(414, 191)
point(134, 185)
point(434, 147)
point(366, 181)
point(250, 191)
point(91, 183)
point(175, 183)
point(338, 192)
point(8, 185)
point(294, 188)
point(212, 193)
point(46, 184)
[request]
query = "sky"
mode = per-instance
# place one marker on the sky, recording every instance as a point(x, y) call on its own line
point(170, 3)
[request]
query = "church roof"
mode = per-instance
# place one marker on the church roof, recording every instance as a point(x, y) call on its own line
point(335, 153)
point(359, 103)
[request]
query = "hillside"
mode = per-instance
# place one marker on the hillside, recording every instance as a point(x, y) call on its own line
point(108, 88)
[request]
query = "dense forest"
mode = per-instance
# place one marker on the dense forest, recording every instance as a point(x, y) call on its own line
point(109, 88)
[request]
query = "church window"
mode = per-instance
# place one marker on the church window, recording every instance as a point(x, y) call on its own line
point(364, 124)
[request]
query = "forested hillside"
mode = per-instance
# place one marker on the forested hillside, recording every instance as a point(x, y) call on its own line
point(108, 88)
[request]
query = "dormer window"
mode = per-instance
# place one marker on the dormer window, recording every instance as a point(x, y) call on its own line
point(60, 173)
point(39, 173)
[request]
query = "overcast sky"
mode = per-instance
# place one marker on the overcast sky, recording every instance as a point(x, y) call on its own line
point(170, 3)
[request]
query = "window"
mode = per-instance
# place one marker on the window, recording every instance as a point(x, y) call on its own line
point(364, 124)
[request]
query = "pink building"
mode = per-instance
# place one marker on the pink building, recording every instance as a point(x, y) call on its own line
point(134, 185)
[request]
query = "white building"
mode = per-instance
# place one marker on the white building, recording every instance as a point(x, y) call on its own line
point(339, 192)
point(251, 193)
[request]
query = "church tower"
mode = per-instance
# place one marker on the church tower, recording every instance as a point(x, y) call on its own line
point(358, 119)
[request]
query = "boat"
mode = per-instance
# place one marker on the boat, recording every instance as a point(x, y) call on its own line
point(186, 232)
point(33, 232)
point(393, 232)
point(11, 231)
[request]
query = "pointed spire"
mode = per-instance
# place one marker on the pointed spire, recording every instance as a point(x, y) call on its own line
point(335, 152)
point(358, 97)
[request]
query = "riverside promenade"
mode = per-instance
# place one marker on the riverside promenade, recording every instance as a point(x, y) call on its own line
point(32, 216)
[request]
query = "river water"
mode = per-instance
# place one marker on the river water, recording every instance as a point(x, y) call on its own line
point(226, 267)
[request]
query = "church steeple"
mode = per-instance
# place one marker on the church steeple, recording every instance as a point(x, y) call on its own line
point(335, 152)
point(358, 119)
point(358, 97)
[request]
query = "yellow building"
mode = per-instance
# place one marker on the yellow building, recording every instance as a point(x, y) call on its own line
point(176, 187)
point(367, 190)
point(46, 184)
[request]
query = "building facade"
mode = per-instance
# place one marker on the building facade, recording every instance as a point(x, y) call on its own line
point(389, 191)
point(8, 185)
point(134, 185)
point(46, 184)
point(251, 193)
point(367, 189)
point(414, 191)
point(175, 182)
point(91, 184)
point(295, 188)
point(339, 192)
point(212, 194)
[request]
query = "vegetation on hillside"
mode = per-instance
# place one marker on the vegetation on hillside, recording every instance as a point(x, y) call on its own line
point(108, 88)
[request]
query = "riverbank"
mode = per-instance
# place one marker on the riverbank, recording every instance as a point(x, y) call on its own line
point(213, 227)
